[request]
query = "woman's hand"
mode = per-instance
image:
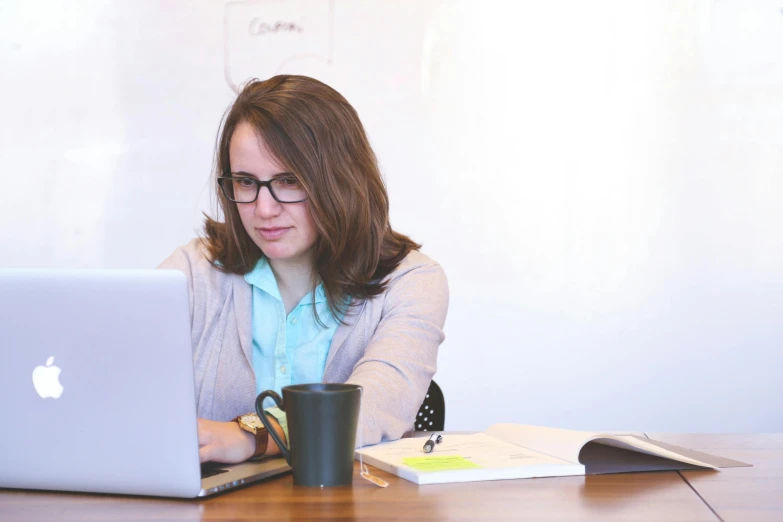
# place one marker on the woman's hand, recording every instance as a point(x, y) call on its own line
point(224, 442)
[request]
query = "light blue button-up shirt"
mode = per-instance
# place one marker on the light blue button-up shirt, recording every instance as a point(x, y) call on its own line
point(287, 349)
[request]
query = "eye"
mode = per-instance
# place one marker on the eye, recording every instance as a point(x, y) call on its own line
point(289, 182)
point(245, 182)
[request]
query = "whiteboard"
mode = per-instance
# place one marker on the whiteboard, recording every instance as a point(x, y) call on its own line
point(113, 110)
point(601, 181)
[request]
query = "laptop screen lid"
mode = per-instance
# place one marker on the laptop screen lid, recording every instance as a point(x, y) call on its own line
point(96, 382)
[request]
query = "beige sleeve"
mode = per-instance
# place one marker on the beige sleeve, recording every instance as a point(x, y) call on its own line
point(401, 357)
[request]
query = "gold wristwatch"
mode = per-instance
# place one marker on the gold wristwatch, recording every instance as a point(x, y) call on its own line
point(252, 424)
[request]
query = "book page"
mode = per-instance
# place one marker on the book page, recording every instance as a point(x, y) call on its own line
point(562, 444)
point(567, 444)
point(652, 447)
point(480, 449)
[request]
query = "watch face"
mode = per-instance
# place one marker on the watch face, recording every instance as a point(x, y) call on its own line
point(253, 421)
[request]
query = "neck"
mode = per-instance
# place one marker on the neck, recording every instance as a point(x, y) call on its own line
point(294, 279)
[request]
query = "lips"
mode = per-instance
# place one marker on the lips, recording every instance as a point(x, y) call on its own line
point(272, 233)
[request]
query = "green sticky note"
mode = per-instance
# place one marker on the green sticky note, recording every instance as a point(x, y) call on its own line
point(439, 463)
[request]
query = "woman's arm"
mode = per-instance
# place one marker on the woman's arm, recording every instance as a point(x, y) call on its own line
point(218, 441)
point(226, 442)
point(401, 356)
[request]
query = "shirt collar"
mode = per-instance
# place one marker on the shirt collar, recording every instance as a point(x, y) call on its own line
point(263, 278)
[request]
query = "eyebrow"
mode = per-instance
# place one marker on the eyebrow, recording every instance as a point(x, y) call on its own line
point(243, 174)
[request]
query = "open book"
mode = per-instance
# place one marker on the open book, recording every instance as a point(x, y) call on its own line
point(511, 451)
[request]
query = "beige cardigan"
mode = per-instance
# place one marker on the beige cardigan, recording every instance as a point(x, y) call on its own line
point(389, 344)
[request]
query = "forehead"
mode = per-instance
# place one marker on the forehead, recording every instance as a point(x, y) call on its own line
point(248, 153)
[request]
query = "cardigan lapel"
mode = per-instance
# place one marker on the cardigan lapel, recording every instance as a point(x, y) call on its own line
point(243, 308)
point(341, 334)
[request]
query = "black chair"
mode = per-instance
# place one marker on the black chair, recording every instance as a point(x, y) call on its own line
point(432, 414)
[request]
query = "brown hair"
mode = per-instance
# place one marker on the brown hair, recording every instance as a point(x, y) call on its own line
point(316, 134)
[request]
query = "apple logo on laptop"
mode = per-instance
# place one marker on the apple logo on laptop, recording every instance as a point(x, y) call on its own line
point(46, 380)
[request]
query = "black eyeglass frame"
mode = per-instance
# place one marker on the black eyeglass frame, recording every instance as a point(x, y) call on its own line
point(259, 185)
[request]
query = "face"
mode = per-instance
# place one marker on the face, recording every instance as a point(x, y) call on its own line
point(285, 232)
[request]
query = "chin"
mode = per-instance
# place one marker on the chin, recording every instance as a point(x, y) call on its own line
point(277, 251)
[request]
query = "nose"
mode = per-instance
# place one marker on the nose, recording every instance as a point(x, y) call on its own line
point(266, 205)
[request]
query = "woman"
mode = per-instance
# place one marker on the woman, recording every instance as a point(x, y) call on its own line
point(304, 280)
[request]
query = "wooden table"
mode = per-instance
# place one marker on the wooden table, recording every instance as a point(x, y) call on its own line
point(752, 494)
point(741, 494)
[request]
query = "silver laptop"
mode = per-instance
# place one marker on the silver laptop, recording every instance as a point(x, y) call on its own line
point(96, 386)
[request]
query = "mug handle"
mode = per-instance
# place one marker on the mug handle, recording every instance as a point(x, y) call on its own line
point(285, 450)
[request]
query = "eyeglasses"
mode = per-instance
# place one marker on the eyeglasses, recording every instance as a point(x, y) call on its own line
point(246, 190)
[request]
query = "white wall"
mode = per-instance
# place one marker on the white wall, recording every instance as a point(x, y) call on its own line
point(601, 181)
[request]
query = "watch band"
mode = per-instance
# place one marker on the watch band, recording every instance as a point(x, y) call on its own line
point(262, 441)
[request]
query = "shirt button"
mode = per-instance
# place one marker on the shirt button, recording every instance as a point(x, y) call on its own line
point(293, 320)
point(282, 369)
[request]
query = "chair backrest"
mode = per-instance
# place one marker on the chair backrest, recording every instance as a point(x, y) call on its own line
point(432, 413)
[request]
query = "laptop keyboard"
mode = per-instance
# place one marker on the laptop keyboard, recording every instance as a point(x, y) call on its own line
point(210, 470)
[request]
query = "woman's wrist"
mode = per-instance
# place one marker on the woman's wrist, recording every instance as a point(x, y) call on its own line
point(271, 448)
point(248, 442)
